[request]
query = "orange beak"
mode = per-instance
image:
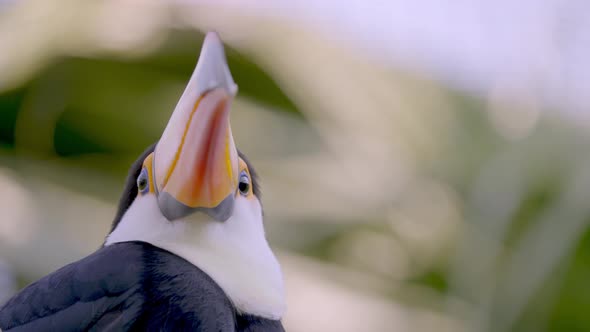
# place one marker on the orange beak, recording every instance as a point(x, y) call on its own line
point(195, 160)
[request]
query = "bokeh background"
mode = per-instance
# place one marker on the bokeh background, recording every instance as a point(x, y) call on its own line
point(425, 164)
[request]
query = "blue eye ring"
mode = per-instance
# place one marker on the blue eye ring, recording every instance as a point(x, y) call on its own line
point(143, 184)
point(244, 184)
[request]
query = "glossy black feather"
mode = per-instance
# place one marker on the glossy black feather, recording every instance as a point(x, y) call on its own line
point(127, 286)
point(130, 189)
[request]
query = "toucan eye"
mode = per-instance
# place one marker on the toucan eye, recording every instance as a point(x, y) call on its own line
point(244, 185)
point(142, 181)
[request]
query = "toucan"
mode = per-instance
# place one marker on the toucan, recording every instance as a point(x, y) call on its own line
point(187, 249)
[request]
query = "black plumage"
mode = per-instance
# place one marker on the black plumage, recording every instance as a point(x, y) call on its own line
point(127, 286)
point(130, 189)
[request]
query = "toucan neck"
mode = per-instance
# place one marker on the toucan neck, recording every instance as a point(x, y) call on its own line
point(235, 253)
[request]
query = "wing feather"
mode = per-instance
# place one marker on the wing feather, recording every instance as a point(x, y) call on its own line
point(80, 295)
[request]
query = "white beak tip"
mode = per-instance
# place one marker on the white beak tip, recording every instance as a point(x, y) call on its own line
point(212, 70)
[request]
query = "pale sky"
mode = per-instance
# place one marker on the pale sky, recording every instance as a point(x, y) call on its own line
point(541, 47)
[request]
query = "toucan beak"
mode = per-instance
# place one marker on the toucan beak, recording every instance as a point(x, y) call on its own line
point(195, 160)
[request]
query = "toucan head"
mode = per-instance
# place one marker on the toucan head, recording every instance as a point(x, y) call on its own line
point(193, 194)
point(195, 167)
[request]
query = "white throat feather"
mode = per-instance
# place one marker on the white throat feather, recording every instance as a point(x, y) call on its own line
point(234, 253)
